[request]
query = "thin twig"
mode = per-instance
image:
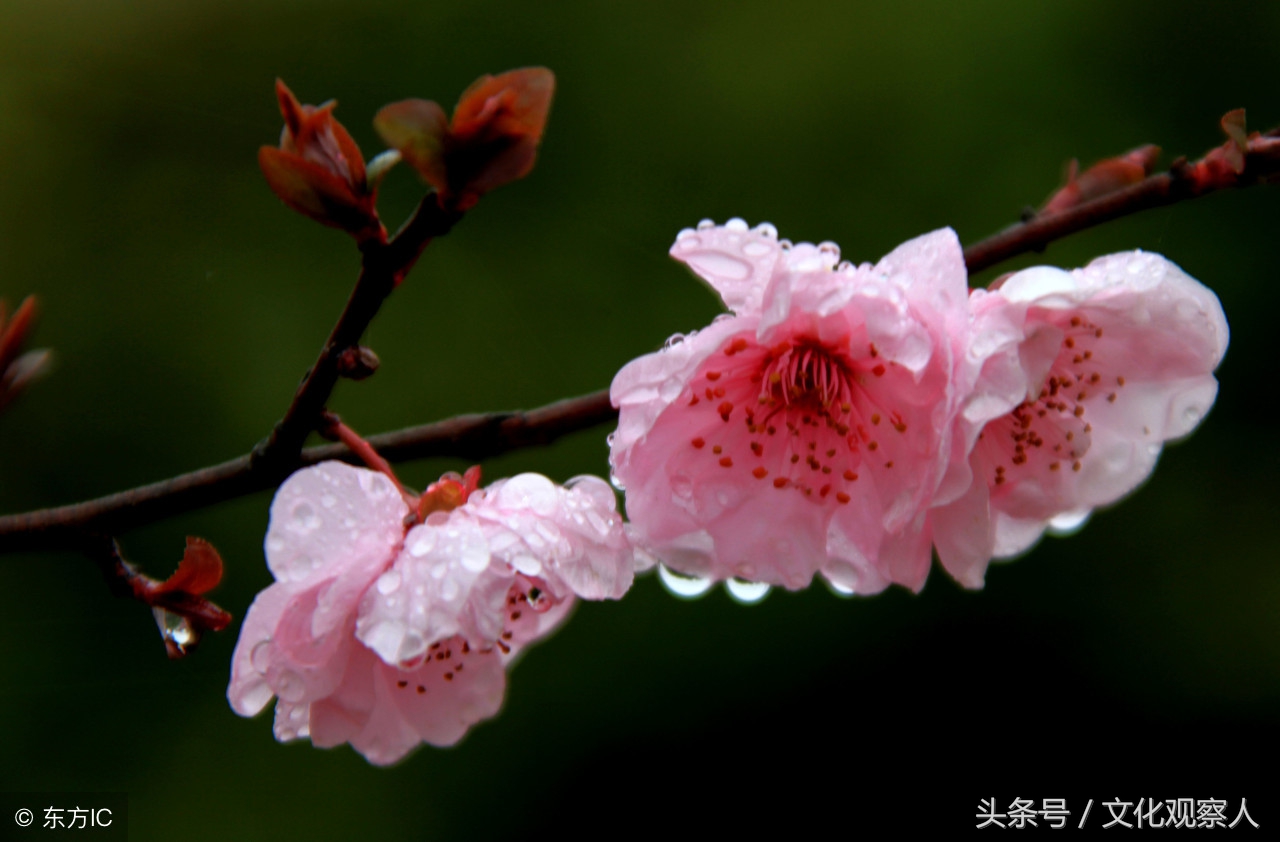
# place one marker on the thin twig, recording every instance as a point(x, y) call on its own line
point(382, 268)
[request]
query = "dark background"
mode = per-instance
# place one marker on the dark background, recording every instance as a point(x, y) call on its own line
point(1137, 659)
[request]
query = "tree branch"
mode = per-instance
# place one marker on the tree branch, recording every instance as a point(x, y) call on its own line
point(478, 437)
point(382, 268)
point(473, 437)
point(1260, 162)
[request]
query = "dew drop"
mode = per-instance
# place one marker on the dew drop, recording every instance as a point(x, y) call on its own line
point(721, 265)
point(426, 540)
point(388, 582)
point(838, 589)
point(682, 487)
point(527, 564)
point(685, 587)
point(474, 553)
point(705, 224)
point(328, 501)
point(615, 482)
point(765, 229)
point(1069, 523)
point(291, 687)
point(746, 593)
point(260, 657)
point(305, 518)
point(737, 223)
point(176, 631)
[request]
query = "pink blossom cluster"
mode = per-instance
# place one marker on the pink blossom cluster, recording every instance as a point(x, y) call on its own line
point(386, 637)
point(849, 420)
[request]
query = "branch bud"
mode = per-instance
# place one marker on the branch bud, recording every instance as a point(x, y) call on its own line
point(357, 363)
point(492, 139)
point(318, 170)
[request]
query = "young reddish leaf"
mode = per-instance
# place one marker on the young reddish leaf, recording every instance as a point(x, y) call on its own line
point(181, 612)
point(496, 130)
point(1102, 178)
point(313, 191)
point(419, 129)
point(13, 332)
point(492, 139)
point(199, 572)
point(1223, 165)
point(1237, 142)
point(318, 170)
point(18, 370)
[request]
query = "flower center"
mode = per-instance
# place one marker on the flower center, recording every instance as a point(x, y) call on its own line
point(1052, 431)
point(800, 414)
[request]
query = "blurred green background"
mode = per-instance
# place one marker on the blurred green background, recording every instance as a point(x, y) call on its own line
point(1139, 658)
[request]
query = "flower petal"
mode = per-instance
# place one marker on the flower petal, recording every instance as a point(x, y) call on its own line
point(734, 261)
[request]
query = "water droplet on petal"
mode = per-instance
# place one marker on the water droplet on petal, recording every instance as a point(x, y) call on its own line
point(673, 339)
point(838, 589)
point(682, 487)
point(305, 518)
point(765, 229)
point(685, 587)
point(704, 224)
point(474, 553)
point(291, 687)
point(328, 501)
point(388, 582)
point(425, 541)
point(615, 482)
point(260, 657)
point(747, 593)
point(737, 223)
point(1069, 523)
point(527, 564)
point(720, 265)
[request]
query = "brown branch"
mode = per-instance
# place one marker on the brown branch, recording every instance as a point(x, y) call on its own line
point(472, 437)
point(477, 437)
point(1260, 163)
point(382, 268)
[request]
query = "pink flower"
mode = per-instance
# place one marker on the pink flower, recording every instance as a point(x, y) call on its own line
point(385, 638)
point(1084, 376)
point(811, 430)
